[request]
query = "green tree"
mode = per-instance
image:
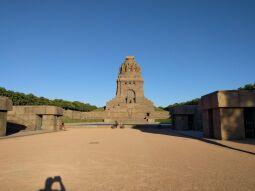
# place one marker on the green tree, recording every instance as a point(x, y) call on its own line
point(248, 87)
point(30, 99)
point(191, 102)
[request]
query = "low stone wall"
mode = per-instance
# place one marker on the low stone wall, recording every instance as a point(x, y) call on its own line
point(186, 117)
point(84, 115)
point(160, 115)
point(36, 117)
point(102, 115)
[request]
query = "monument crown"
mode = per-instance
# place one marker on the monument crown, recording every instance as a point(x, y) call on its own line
point(130, 65)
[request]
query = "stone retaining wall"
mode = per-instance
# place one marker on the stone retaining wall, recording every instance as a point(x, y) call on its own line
point(36, 117)
point(102, 114)
point(84, 115)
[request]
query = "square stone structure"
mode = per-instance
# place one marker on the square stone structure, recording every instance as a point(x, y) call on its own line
point(36, 117)
point(229, 114)
point(5, 105)
point(186, 117)
point(130, 104)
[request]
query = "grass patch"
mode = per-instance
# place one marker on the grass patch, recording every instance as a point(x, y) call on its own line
point(68, 120)
point(163, 120)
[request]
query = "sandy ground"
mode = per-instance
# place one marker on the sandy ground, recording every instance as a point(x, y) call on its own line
point(122, 159)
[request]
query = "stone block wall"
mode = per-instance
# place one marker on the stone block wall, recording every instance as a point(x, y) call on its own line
point(160, 115)
point(232, 123)
point(5, 105)
point(36, 117)
point(3, 117)
point(84, 115)
point(49, 122)
point(223, 114)
point(186, 117)
point(180, 122)
point(119, 115)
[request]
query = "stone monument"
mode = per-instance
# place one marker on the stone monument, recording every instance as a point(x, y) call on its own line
point(129, 105)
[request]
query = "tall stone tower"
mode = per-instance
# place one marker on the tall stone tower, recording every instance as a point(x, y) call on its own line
point(129, 105)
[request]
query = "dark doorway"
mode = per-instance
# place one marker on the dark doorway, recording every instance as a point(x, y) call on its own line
point(190, 122)
point(173, 120)
point(211, 125)
point(249, 122)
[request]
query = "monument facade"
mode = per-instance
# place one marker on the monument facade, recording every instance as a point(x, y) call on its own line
point(130, 104)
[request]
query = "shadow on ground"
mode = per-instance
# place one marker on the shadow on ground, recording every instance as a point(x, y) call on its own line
point(12, 128)
point(164, 130)
point(245, 141)
point(57, 181)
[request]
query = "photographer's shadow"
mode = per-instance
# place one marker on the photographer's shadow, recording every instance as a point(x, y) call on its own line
point(56, 181)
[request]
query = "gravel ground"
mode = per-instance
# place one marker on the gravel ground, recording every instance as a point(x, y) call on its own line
point(122, 159)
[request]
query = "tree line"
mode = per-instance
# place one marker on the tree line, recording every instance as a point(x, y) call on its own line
point(190, 102)
point(30, 99)
point(196, 100)
point(248, 87)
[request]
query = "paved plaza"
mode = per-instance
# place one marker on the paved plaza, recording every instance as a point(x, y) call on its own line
point(122, 159)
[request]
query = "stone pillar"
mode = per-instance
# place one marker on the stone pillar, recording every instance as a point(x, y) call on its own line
point(211, 124)
point(5, 105)
point(232, 123)
point(49, 122)
point(205, 123)
point(217, 124)
point(181, 122)
point(3, 118)
point(59, 122)
point(38, 122)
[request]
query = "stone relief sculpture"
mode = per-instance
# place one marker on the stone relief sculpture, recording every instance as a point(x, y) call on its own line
point(130, 66)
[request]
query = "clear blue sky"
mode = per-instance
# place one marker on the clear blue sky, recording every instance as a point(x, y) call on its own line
point(73, 49)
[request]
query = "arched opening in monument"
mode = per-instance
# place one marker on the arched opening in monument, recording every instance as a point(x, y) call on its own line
point(130, 96)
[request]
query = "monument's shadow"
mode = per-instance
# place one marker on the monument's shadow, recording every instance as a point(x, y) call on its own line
point(164, 129)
